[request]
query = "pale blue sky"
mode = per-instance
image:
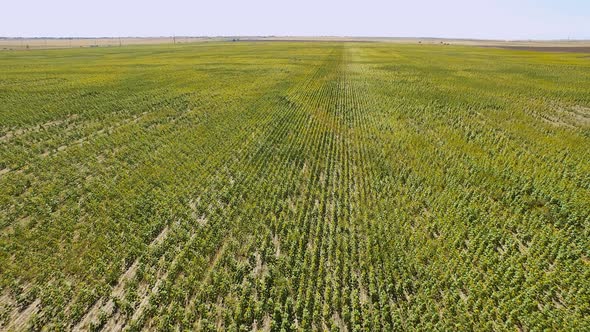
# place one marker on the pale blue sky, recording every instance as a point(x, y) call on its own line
point(492, 19)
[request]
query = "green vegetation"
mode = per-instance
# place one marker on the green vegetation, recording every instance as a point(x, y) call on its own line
point(294, 186)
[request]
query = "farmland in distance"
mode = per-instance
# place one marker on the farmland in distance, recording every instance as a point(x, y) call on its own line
point(284, 186)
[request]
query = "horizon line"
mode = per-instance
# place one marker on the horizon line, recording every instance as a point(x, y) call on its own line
point(294, 36)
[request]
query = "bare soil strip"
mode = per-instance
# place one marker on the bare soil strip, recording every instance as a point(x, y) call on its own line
point(553, 49)
point(19, 319)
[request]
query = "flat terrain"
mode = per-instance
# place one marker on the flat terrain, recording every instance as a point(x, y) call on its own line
point(581, 46)
point(294, 186)
point(557, 49)
point(48, 43)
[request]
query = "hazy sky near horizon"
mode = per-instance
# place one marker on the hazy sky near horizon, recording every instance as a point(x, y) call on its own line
point(486, 19)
